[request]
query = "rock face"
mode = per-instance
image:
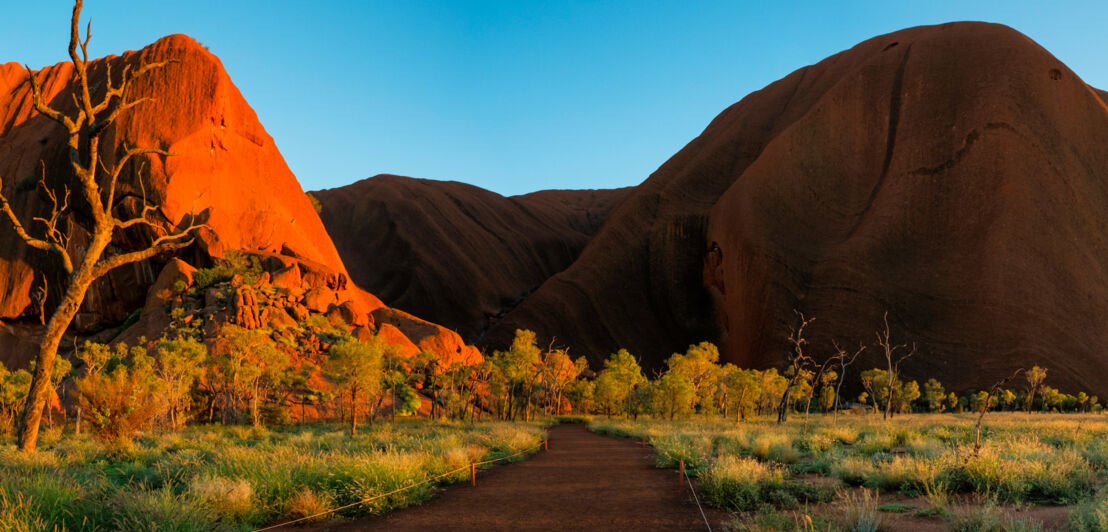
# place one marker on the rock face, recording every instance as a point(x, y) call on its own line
point(226, 170)
point(954, 176)
point(453, 253)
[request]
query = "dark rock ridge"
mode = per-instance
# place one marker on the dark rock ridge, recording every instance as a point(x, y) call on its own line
point(955, 176)
point(457, 254)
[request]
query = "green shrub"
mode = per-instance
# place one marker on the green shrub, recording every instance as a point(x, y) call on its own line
point(1091, 515)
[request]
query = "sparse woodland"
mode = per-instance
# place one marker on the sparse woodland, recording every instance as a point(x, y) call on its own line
point(217, 425)
point(313, 389)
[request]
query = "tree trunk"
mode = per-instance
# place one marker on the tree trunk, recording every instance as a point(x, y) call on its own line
point(808, 408)
point(527, 413)
point(254, 406)
point(48, 350)
point(783, 409)
point(838, 392)
point(353, 412)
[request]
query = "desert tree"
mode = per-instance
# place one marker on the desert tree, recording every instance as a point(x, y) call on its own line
point(699, 365)
point(673, 394)
point(771, 385)
point(120, 396)
point(738, 389)
point(515, 376)
point(1035, 377)
point(934, 395)
point(251, 364)
point(559, 370)
point(95, 183)
point(177, 364)
point(984, 407)
point(357, 367)
point(827, 391)
point(796, 364)
point(845, 360)
point(894, 355)
point(13, 391)
point(821, 377)
point(616, 384)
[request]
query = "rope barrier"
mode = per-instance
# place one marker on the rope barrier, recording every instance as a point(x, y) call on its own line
point(697, 499)
point(398, 490)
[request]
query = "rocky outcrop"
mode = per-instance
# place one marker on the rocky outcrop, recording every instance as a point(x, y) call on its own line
point(246, 314)
point(454, 253)
point(951, 175)
point(429, 337)
point(225, 169)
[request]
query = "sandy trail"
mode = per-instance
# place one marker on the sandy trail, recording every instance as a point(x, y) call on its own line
point(584, 482)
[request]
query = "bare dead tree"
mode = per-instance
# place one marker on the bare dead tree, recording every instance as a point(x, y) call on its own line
point(988, 399)
point(84, 129)
point(844, 362)
point(796, 360)
point(893, 361)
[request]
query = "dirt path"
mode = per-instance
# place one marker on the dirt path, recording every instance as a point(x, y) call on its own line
point(584, 482)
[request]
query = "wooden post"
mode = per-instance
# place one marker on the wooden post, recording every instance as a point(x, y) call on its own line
point(545, 446)
point(681, 472)
point(473, 474)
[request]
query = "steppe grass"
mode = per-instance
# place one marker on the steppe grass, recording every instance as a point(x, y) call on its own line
point(1025, 458)
point(239, 478)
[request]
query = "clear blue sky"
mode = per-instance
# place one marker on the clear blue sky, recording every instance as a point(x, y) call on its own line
point(514, 96)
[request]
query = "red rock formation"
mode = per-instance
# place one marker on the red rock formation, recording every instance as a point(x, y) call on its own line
point(225, 168)
point(391, 335)
point(246, 311)
point(454, 253)
point(952, 175)
point(428, 336)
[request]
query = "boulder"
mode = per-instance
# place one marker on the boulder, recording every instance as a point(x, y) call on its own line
point(319, 299)
point(389, 334)
point(444, 343)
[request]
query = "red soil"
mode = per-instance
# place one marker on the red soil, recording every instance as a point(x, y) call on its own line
point(584, 482)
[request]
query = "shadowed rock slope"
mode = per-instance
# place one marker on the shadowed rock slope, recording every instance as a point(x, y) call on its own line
point(225, 169)
point(955, 176)
point(457, 254)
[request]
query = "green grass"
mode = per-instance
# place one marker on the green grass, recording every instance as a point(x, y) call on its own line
point(1058, 459)
point(896, 508)
point(239, 478)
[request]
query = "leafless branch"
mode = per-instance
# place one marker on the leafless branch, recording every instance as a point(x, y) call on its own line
point(36, 243)
point(161, 244)
point(988, 399)
point(115, 92)
point(43, 108)
point(43, 292)
point(52, 232)
point(114, 173)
